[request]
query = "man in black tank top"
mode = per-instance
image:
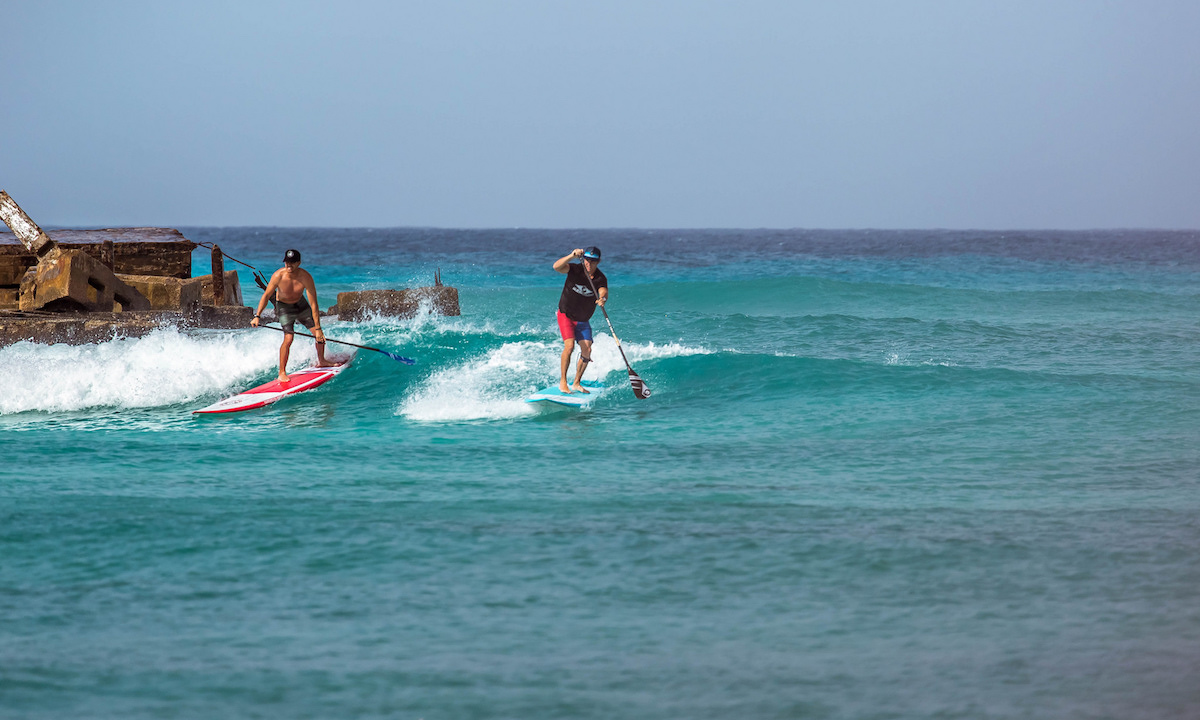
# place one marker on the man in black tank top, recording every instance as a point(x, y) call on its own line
point(585, 288)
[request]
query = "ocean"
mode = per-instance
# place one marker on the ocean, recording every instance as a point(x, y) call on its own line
point(882, 474)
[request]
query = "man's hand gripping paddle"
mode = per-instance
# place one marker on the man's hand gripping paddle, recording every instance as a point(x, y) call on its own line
point(397, 358)
point(640, 390)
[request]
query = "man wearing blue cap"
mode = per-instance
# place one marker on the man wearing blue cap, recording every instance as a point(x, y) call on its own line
point(585, 288)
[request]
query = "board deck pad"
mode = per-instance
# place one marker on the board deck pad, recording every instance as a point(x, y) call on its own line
point(552, 394)
point(267, 393)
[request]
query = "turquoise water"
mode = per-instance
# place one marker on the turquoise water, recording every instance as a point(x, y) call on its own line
point(882, 475)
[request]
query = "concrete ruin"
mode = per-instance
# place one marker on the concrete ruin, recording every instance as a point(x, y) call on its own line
point(86, 286)
point(82, 286)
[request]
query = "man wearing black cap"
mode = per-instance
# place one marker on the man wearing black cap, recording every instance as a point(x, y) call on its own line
point(585, 288)
point(290, 283)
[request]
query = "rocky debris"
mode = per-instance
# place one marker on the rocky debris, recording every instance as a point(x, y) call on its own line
point(360, 304)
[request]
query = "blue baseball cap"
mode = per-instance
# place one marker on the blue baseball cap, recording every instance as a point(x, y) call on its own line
point(593, 252)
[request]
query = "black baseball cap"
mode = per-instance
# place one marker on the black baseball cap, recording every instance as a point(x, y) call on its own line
point(593, 252)
point(291, 256)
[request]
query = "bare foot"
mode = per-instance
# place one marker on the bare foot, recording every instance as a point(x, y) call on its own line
point(283, 378)
point(582, 389)
point(562, 388)
point(328, 363)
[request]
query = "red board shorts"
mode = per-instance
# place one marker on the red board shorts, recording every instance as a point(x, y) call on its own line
point(572, 330)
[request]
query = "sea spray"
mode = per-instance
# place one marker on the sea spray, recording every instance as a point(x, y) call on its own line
point(495, 385)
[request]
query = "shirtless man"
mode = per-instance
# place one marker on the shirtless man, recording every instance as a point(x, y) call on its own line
point(290, 283)
point(575, 308)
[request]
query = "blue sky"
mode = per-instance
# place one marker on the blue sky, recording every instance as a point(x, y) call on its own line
point(918, 114)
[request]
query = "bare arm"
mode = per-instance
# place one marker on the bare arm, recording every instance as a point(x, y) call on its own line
point(602, 294)
point(562, 264)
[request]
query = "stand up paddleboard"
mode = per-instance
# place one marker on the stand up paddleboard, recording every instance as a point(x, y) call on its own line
point(576, 399)
point(267, 393)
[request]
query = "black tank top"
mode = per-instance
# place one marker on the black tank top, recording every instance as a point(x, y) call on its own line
point(578, 302)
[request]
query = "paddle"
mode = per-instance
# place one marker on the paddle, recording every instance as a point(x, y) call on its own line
point(640, 390)
point(397, 358)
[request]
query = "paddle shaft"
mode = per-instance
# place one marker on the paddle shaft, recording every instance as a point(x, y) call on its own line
point(405, 360)
point(640, 390)
point(616, 339)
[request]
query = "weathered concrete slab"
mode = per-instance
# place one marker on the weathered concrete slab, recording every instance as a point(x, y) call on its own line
point(49, 328)
point(135, 251)
point(233, 289)
point(81, 328)
point(360, 304)
point(67, 280)
point(167, 293)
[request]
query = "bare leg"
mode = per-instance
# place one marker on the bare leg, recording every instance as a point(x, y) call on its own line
point(285, 349)
point(568, 348)
point(585, 356)
point(321, 361)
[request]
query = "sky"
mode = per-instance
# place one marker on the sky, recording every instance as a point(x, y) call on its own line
point(1008, 114)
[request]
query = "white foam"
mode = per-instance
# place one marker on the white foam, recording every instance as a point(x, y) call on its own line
point(490, 387)
point(166, 367)
point(427, 321)
point(896, 358)
point(494, 386)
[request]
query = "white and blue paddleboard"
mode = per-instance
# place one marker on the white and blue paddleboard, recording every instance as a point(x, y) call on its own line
point(553, 395)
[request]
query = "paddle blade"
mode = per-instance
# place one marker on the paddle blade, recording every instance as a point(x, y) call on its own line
point(397, 358)
point(640, 390)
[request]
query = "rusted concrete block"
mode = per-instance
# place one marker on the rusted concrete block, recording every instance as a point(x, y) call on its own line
point(225, 316)
point(233, 290)
point(442, 300)
point(81, 328)
point(13, 267)
point(359, 304)
point(67, 280)
point(167, 293)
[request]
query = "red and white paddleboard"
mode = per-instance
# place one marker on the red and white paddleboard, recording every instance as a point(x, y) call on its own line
point(267, 393)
